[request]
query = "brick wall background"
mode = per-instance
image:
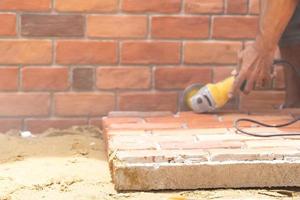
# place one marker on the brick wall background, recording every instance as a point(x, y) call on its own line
point(66, 62)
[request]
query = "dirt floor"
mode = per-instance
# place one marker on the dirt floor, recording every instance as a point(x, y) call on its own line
point(71, 164)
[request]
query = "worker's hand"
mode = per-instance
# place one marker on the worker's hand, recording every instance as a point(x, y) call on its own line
point(255, 64)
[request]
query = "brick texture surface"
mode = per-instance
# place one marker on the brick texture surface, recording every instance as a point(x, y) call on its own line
point(237, 6)
point(28, 5)
point(8, 23)
point(18, 104)
point(142, 101)
point(128, 78)
point(85, 52)
point(221, 73)
point(181, 77)
point(211, 52)
point(158, 6)
point(45, 78)
point(17, 52)
point(223, 26)
point(180, 27)
point(204, 6)
point(52, 25)
point(117, 26)
point(86, 104)
point(83, 79)
point(150, 53)
point(9, 78)
point(141, 146)
point(262, 100)
point(86, 5)
point(116, 55)
point(254, 6)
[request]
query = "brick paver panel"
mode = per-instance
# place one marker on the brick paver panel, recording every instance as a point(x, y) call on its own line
point(168, 148)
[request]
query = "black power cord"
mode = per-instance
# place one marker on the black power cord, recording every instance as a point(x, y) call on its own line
point(236, 122)
point(239, 130)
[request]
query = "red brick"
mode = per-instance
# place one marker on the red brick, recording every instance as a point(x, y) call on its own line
point(28, 5)
point(165, 119)
point(123, 78)
point(145, 126)
point(201, 145)
point(86, 5)
point(150, 53)
point(10, 124)
point(45, 78)
point(142, 145)
point(221, 73)
point(83, 104)
point(211, 52)
point(228, 119)
point(266, 131)
point(91, 52)
point(113, 26)
point(143, 101)
point(223, 27)
point(17, 52)
point(254, 6)
point(111, 133)
point(139, 114)
point(202, 131)
point(249, 154)
point(180, 27)
point(41, 125)
point(9, 78)
point(154, 138)
point(280, 116)
point(195, 120)
point(204, 6)
point(279, 80)
point(193, 115)
point(8, 24)
point(201, 121)
point(20, 104)
point(107, 121)
point(199, 124)
point(261, 101)
point(237, 6)
point(83, 79)
point(159, 6)
point(39, 25)
point(181, 77)
point(172, 138)
point(228, 136)
point(269, 143)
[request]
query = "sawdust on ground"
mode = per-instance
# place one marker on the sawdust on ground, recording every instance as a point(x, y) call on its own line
point(71, 164)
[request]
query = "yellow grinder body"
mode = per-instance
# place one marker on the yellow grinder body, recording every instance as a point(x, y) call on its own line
point(209, 97)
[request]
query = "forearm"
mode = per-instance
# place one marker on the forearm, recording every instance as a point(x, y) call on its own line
point(275, 15)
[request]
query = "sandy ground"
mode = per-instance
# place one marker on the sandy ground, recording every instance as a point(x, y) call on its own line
point(71, 164)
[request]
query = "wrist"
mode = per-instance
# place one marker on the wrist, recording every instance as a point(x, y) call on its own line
point(264, 45)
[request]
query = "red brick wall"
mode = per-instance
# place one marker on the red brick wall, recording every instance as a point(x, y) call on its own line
point(66, 62)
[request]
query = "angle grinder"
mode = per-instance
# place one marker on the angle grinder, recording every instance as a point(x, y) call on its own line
point(207, 98)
